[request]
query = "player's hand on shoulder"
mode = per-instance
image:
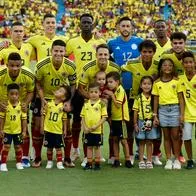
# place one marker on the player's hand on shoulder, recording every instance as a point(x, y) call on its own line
point(24, 107)
point(3, 106)
point(5, 44)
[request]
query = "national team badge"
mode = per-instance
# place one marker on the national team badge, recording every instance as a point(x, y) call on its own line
point(64, 74)
point(173, 86)
point(194, 85)
point(26, 52)
point(133, 46)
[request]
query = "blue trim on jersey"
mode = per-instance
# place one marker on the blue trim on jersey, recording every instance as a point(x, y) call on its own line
point(122, 51)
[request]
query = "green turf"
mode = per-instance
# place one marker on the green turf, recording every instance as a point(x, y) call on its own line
point(108, 181)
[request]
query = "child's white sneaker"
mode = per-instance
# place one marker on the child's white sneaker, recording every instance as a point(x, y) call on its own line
point(49, 165)
point(169, 164)
point(177, 164)
point(142, 165)
point(156, 160)
point(102, 159)
point(3, 167)
point(111, 160)
point(19, 166)
point(59, 165)
point(84, 162)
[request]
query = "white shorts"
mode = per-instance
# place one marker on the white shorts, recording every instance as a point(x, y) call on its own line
point(187, 130)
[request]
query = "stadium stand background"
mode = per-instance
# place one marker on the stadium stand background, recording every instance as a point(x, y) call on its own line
point(180, 15)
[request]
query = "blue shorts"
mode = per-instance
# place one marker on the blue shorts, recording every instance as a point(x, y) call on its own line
point(187, 130)
point(169, 115)
point(150, 135)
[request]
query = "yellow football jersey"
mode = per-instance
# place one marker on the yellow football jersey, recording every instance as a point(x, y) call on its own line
point(121, 113)
point(90, 69)
point(92, 114)
point(83, 51)
point(145, 106)
point(189, 91)
point(177, 62)
point(26, 52)
point(161, 49)
point(25, 80)
point(43, 45)
point(13, 117)
point(167, 91)
point(137, 69)
point(54, 117)
point(51, 78)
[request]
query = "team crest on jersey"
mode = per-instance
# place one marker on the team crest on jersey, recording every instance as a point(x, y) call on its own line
point(138, 74)
point(5, 139)
point(194, 85)
point(96, 109)
point(118, 91)
point(173, 86)
point(134, 46)
point(64, 74)
point(18, 111)
point(21, 84)
point(159, 87)
point(43, 43)
point(94, 46)
point(60, 110)
point(79, 47)
point(26, 52)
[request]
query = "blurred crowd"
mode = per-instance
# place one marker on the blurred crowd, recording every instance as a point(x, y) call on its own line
point(180, 15)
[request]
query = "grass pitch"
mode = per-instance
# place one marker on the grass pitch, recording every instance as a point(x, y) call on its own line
point(106, 182)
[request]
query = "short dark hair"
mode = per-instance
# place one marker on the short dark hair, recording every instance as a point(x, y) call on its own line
point(86, 15)
point(147, 44)
point(14, 56)
point(102, 46)
point(124, 18)
point(17, 24)
point(48, 15)
point(188, 54)
point(13, 86)
point(113, 74)
point(93, 85)
point(58, 42)
point(178, 35)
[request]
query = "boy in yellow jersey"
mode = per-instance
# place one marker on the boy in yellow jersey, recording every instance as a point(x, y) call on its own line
point(16, 73)
point(88, 75)
point(43, 43)
point(83, 48)
point(119, 117)
point(54, 124)
point(162, 42)
point(51, 72)
point(93, 114)
point(13, 124)
point(144, 66)
point(25, 50)
point(178, 41)
point(188, 82)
